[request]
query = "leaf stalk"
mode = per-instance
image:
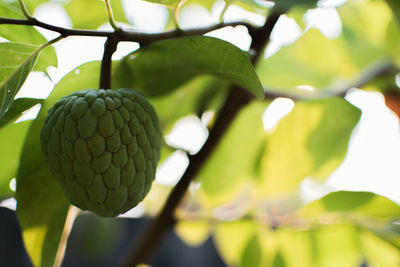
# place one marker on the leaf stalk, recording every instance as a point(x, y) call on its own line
point(111, 16)
point(25, 9)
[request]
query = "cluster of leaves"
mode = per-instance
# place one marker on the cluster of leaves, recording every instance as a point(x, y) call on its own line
point(248, 198)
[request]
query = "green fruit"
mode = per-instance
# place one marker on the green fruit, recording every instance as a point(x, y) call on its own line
point(103, 146)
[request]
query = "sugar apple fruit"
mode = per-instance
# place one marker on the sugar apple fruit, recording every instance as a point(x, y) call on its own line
point(103, 146)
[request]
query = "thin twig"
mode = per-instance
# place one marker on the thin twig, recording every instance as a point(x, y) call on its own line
point(371, 72)
point(124, 34)
point(111, 16)
point(175, 17)
point(24, 9)
point(63, 31)
point(69, 221)
point(106, 64)
point(236, 99)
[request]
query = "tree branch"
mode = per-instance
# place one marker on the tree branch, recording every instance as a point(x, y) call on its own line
point(377, 69)
point(105, 74)
point(236, 99)
point(126, 35)
point(63, 31)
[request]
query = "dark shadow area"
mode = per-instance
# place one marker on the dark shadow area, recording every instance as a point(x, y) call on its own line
point(12, 250)
point(101, 242)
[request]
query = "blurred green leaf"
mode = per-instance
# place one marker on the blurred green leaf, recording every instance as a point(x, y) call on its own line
point(252, 253)
point(17, 61)
point(390, 233)
point(194, 97)
point(336, 245)
point(30, 4)
point(353, 202)
point(235, 157)
point(208, 4)
point(193, 233)
point(17, 108)
point(96, 237)
point(346, 200)
point(90, 14)
point(364, 36)
point(162, 67)
point(311, 141)
point(232, 238)
point(168, 3)
point(28, 35)
point(155, 199)
point(12, 138)
point(33, 4)
point(287, 4)
point(395, 6)
point(378, 252)
point(323, 63)
point(42, 207)
point(393, 41)
point(295, 247)
point(253, 6)
point(279, 261)
point(305, 63)
point(297, 13)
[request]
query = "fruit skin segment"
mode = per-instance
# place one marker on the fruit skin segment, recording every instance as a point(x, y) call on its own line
point(103, 146)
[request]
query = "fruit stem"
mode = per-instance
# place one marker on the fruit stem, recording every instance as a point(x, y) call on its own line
point(110, 47)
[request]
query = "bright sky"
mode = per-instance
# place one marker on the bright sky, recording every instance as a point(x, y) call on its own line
point(374, 154)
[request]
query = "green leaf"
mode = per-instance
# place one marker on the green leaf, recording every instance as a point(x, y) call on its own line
point(28, 35)
point(311, 141)
point(33, 4)
point(196, 96)
point(81, 18)
point(11, 9)
point(378, 252)
point(98, 237)
point(353, 202)
point(346, 200)
point(250, 5)
point(332, 62)
point(305, 63)
point(17, 61)
point(395, 6)
point(168, 3)
point(208, 4)
point(42, 207)
point(364, 36)
point(279, 261)
point(297, 13)
point(193, 233)
point(162, 67)
point(232, 238)
point(393, 41)
point(12, 138)
point(336, 245)
point(30, 4)
point(295, 247)
point(252, 254)
point(287, 4)
point(17, 107)
point(234, 160)
point(390, 233)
